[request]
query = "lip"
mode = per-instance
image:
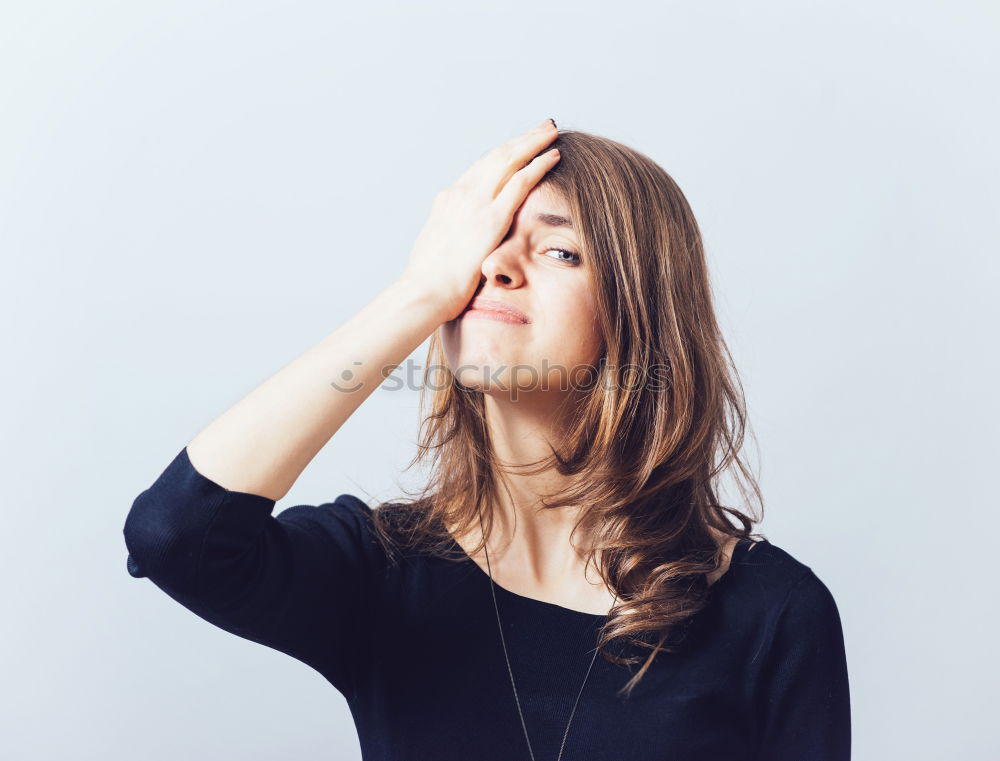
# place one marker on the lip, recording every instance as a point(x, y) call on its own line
point(492, 309)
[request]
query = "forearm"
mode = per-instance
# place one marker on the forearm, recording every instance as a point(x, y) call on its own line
point(263, 443)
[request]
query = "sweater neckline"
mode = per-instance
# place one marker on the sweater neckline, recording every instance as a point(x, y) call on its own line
point(741, 547)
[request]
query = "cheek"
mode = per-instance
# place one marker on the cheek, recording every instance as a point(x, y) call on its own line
point(573, 335)
point(588, 343)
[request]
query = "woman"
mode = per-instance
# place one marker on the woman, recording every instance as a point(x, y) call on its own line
point(583, 410)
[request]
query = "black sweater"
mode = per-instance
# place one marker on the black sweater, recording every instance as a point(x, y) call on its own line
point(414, 645)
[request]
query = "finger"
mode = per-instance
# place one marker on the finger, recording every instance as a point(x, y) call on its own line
point(495, 167)
point(502, 165)
point(526, 144)
point(522, 181)
point(545, 127)
point(539, 136)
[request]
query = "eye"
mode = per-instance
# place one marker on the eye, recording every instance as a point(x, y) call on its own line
point(575, 260)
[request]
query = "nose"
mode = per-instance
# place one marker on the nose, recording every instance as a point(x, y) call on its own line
point(503, 266)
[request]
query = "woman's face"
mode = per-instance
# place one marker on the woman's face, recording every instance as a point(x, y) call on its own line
point(538, 270)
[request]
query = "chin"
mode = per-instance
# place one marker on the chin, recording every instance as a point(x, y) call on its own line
point(465, 350)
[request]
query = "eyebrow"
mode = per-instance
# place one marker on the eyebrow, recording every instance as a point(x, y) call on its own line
point(554, 220)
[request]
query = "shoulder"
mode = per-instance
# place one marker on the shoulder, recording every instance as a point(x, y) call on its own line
point(346, 511)
point(768, 565)
point(380, 531)
point(796, 660)
point(342, 526)
point(775, 584)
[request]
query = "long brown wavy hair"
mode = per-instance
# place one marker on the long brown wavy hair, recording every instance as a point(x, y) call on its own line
point(648, 440)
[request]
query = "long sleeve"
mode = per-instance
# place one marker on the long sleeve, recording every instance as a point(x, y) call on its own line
point(804, 701)
point(300, 582)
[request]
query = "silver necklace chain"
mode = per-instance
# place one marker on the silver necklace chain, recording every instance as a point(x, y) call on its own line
point(511, 671)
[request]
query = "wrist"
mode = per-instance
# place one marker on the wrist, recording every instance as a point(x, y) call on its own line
point(420, 299)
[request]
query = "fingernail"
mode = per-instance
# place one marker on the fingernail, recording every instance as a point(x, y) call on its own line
point(553, 122)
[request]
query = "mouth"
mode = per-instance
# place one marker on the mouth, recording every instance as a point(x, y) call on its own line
point(492, 309)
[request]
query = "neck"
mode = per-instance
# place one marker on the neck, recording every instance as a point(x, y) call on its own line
point(526, 536)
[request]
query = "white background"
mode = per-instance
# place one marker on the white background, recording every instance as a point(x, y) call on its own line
point(193, 193)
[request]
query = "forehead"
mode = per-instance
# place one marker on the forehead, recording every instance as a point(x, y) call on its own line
point(543, 207)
